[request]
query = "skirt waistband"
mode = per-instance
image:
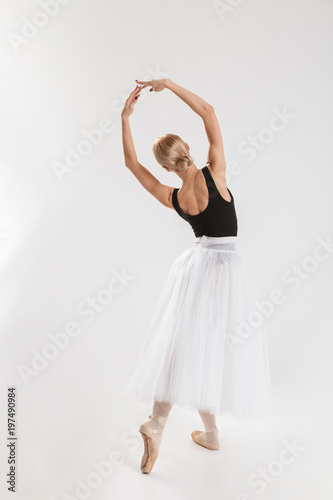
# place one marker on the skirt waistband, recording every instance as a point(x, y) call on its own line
point(216, 239)
point(218, 243)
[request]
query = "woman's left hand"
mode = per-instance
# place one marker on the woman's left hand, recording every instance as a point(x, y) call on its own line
point(130, 101)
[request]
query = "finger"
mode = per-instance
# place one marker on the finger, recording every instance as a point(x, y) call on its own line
point(144, 84)
point(136, 95)
point(133, 94)
point(137, 89)
point(135, 98)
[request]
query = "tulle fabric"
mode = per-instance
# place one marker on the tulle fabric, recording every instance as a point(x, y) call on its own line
point(200, 351)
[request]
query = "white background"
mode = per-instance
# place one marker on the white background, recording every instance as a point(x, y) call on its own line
point(62, 237)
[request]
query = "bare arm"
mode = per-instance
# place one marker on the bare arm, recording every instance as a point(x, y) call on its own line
point(199, 106)
point(205, 111)
point(160, 191)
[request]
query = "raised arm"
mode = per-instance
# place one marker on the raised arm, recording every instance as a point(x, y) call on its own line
point(205, 111)
point(160, 191)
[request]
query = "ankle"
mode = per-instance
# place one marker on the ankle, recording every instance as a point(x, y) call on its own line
point(211, 429)
point(157, 423)
point(211, 436)
point(158, 418)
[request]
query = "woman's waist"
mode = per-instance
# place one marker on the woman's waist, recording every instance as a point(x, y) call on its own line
point(221, 243)
point(216, 239)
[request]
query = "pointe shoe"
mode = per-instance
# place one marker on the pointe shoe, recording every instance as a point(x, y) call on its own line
point(198, 439)
point(151, 447)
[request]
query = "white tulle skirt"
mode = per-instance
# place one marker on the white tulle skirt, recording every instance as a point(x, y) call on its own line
point(206, 346)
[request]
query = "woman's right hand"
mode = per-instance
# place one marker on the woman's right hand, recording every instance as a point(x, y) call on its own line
point(156, 85)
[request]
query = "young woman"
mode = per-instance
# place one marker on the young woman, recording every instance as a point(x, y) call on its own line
point(206, 346)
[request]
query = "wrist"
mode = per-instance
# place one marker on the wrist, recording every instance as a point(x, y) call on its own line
point(124, 116)
point(167, 82)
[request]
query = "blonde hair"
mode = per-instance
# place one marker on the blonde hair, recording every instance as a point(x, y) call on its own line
point(171, 151)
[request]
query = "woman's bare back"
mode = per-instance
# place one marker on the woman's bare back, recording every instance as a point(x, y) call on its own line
point(193, 198)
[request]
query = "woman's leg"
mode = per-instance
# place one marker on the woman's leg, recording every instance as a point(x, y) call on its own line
point(211, 431)
point(159, 417)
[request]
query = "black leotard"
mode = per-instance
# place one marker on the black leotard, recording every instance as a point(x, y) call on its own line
point(219, 217)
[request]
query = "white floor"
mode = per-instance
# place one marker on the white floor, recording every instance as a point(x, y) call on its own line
point(285, 456)
point(81, 441)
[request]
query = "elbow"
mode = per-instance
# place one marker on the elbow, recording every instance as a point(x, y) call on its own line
point(130, 165)
point(209, 109)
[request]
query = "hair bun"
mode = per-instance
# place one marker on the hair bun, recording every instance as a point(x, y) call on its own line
point(172, 152)
point(183, 162)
